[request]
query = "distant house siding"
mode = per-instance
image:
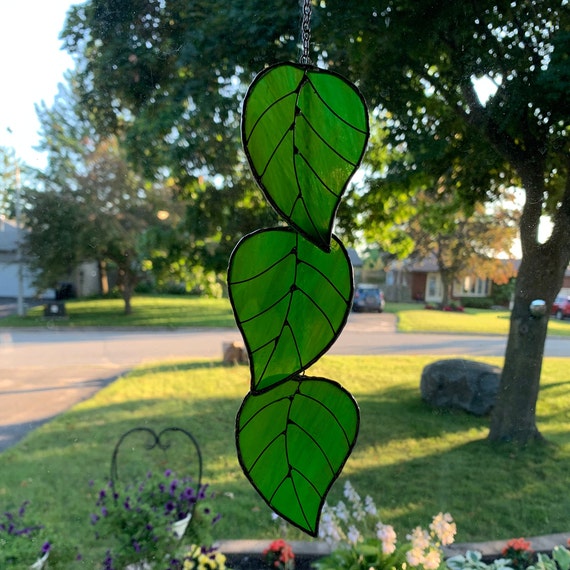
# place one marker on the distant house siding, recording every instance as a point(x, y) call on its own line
point(9, 281)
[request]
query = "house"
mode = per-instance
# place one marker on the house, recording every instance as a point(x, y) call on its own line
point(356, 262)
point(411, 280)
point(84, 280)
point(9, 280)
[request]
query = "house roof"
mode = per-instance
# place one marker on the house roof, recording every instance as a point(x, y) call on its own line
point(8, 235)
point(354, 257)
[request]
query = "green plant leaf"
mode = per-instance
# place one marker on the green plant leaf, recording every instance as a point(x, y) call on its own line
point(290, 300)
point(304, 131)
point(293, 442)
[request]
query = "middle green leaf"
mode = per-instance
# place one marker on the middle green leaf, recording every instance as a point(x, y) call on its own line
point(290, 300)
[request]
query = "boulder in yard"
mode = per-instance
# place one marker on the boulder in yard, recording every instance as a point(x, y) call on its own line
point(462, 384)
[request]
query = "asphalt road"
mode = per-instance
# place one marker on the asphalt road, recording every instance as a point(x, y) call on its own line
point(45, 372)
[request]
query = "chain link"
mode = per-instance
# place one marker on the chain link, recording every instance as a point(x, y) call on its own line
point(306, 32)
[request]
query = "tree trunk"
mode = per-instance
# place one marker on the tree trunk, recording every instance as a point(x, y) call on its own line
point(127, 296)
point(514, 416)
point(540, 276)
point(103, 278)
point(446, 282)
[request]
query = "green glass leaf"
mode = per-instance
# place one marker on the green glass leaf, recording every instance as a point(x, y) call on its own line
point(290, 300)
point(304, 131)
point(293, 442)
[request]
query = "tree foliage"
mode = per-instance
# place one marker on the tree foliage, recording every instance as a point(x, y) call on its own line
point(169, 77)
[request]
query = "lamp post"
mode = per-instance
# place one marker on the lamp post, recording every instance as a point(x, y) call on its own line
point(20, 306)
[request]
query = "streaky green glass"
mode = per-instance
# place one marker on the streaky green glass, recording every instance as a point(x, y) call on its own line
point(290, 300)
point(293, 441)
point(304, 131)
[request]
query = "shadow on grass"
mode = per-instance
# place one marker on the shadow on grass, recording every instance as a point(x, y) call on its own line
point(181, 366)
point(492, 491)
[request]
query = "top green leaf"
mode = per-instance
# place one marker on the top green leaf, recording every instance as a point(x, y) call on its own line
point(304, 132)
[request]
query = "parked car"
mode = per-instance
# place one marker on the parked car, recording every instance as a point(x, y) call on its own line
point(561, 308)
point(368, 297)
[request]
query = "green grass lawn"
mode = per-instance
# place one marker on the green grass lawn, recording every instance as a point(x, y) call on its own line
point(148, 311)
point(413, 460)
point(185, 311)
point(414, 318)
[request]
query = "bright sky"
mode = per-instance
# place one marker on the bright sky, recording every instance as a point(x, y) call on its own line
point(31, 66)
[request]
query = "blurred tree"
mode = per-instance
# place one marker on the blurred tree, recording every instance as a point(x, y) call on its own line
point(103, 216)
point(463, 243)
point(168, 76)
point(7, 183)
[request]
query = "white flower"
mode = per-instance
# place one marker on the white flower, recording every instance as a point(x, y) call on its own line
point(342, 512)
point(369, 506)
point(353, 535)
point(329, 529)
point(387, 535)
point(444, 528)
point(351, 494)
point(419, 538)
point(415, 556)
point(432, 560)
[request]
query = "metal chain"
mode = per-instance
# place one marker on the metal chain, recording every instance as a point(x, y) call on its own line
point(306, 31)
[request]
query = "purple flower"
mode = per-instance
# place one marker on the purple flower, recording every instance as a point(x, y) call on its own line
point(108, 562)
point(104, 511)
point(136, 546)
point(94, 518)
point(46, 547)
point(168, 473)
point(22, 510)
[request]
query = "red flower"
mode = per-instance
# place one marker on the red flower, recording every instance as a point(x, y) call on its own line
point(280, 555)
point(519, 544)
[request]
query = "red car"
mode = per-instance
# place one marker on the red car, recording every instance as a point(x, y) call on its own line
point(561, 308)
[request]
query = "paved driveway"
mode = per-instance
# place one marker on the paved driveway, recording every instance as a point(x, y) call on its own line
point(45, 372)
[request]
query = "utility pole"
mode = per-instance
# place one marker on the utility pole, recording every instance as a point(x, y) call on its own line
point(21, 308)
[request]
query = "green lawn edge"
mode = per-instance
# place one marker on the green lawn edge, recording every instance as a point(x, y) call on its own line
point(174, 312)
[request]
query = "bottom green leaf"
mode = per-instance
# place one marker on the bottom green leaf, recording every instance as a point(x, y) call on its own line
point(293, 441)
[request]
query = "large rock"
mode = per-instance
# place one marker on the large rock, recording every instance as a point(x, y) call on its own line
point(458, 383)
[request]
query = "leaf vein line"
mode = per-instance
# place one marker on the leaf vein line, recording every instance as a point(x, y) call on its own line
point(339, 117)
point(321, 310)
point(267, 309)
point(264, 271)
point(262, 452)
point(326, 143)
point(262, 409)
point(317, 444)
point(276, 102)
point(277, 146)
point(326, 278)
point(318, 402)
point(323, 183)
